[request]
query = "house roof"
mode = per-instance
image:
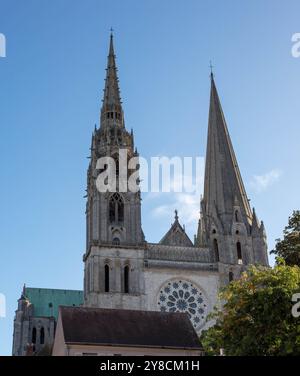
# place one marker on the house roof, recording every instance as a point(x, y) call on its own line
point(46, 301)
point(121, 327)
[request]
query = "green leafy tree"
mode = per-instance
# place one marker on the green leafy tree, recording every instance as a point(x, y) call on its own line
point(256, 318)
point(289, 247)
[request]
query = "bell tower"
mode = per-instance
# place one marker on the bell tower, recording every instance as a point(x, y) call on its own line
point(112, 216)
point(228, 225)
point(113, 208)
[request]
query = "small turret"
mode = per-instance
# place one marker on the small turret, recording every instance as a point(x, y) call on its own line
point(23, 302)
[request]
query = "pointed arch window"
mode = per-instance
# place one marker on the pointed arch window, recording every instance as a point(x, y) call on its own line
point(106, 278)
point(116, 241)
point(216, 250)
point(239, 252)
point(116, 156)
point(117, 168)
point(33, 336)
point(116, 209)
point(126, 279)
point(236, 214)
point(42, 336)
point(119, 133)
point(230, 276)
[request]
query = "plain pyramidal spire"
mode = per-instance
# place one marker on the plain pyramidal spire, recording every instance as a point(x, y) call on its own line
point(223, 186)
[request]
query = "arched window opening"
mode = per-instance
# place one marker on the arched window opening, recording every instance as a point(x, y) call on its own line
point(214, 231)
point(126, 279)
point(42, 336)
point(236, 216)
point(239, 252)
point(116, 241)
point(106, 273)
point(33, 337)
point(216, 250)
point(116, 209)
point(230, 276)
point(117, 168)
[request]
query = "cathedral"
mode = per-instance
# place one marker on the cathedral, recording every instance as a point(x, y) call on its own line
point(122, 270)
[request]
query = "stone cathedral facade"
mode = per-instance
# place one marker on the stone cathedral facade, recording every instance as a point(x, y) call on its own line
point(124, 271)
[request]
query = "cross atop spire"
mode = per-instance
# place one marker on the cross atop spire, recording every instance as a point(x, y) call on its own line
point(211, 70)
point(176, 215)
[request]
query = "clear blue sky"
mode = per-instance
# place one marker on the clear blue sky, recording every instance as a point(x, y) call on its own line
point(50, 90)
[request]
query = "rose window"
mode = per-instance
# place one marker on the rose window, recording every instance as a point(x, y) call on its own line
point(183, 296)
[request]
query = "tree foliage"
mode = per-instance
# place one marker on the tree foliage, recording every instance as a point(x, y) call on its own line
point(256, 318)
point(289, 247)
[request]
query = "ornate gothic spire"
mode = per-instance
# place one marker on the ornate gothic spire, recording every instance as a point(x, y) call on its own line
point(223, 185)
point(111, 111)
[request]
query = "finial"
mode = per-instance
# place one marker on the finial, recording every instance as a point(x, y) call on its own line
point(176, 215)
point(111, 34)
point(211, 70)
point(23, 295)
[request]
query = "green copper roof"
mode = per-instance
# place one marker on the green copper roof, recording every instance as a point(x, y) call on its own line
point(47, 301)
